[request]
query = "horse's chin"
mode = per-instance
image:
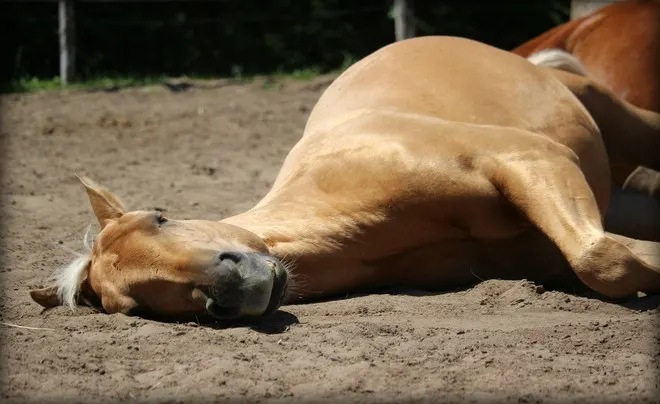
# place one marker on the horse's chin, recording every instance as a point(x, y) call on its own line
point(280, 288)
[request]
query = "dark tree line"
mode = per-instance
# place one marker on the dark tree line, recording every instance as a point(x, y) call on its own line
point(250, 36)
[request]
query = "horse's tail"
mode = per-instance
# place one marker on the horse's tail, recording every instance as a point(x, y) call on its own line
point(558, 59)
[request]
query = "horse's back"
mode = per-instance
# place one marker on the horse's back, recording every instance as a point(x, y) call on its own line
point(457, 80)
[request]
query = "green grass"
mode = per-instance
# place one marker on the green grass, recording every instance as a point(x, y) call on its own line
point(306, 73)
point(36, 84)
point(237, 73)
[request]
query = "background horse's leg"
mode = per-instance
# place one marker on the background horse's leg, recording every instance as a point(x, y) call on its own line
point(644, 181)
point(632, 214)
point(631, 134)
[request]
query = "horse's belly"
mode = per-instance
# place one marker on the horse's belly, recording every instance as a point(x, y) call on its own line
point(455, 263)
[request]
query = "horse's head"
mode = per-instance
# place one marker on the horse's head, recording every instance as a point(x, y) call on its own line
point(143, 263)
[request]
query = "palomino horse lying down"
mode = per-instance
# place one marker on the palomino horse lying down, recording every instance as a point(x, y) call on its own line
point(429, 163)
point(618, 46)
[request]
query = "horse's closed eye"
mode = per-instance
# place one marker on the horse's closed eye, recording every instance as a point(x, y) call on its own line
point(160, 219)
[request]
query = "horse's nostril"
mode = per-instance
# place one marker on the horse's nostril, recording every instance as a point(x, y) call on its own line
point(271, 265)
point(231, 255)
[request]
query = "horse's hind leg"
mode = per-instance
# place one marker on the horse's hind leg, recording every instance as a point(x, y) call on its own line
point(555, 196)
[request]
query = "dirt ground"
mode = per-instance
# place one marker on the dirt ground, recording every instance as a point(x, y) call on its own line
point(213, 151)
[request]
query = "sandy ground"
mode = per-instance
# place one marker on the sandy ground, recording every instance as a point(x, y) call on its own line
point(211, 152)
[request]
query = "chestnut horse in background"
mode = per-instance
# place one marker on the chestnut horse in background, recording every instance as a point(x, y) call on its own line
point(619, 47)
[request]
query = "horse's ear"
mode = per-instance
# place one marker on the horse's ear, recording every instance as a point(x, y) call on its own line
point(46, 297)
point(76, 287)
point(105, 204)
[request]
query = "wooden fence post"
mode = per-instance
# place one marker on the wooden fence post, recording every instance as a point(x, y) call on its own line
point(67, 41)
point(404, 19)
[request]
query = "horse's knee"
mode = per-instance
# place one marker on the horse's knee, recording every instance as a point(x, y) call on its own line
point(610, 268)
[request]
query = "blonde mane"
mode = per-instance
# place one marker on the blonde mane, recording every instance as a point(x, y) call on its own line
point(67, 279)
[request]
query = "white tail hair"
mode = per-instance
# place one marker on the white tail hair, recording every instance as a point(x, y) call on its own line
point(67, 279)
point(558, 59)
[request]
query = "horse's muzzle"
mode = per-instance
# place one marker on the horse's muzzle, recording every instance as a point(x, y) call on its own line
point(246, 285)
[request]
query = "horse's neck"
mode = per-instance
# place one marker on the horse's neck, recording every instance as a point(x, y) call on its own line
point(309, 227)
